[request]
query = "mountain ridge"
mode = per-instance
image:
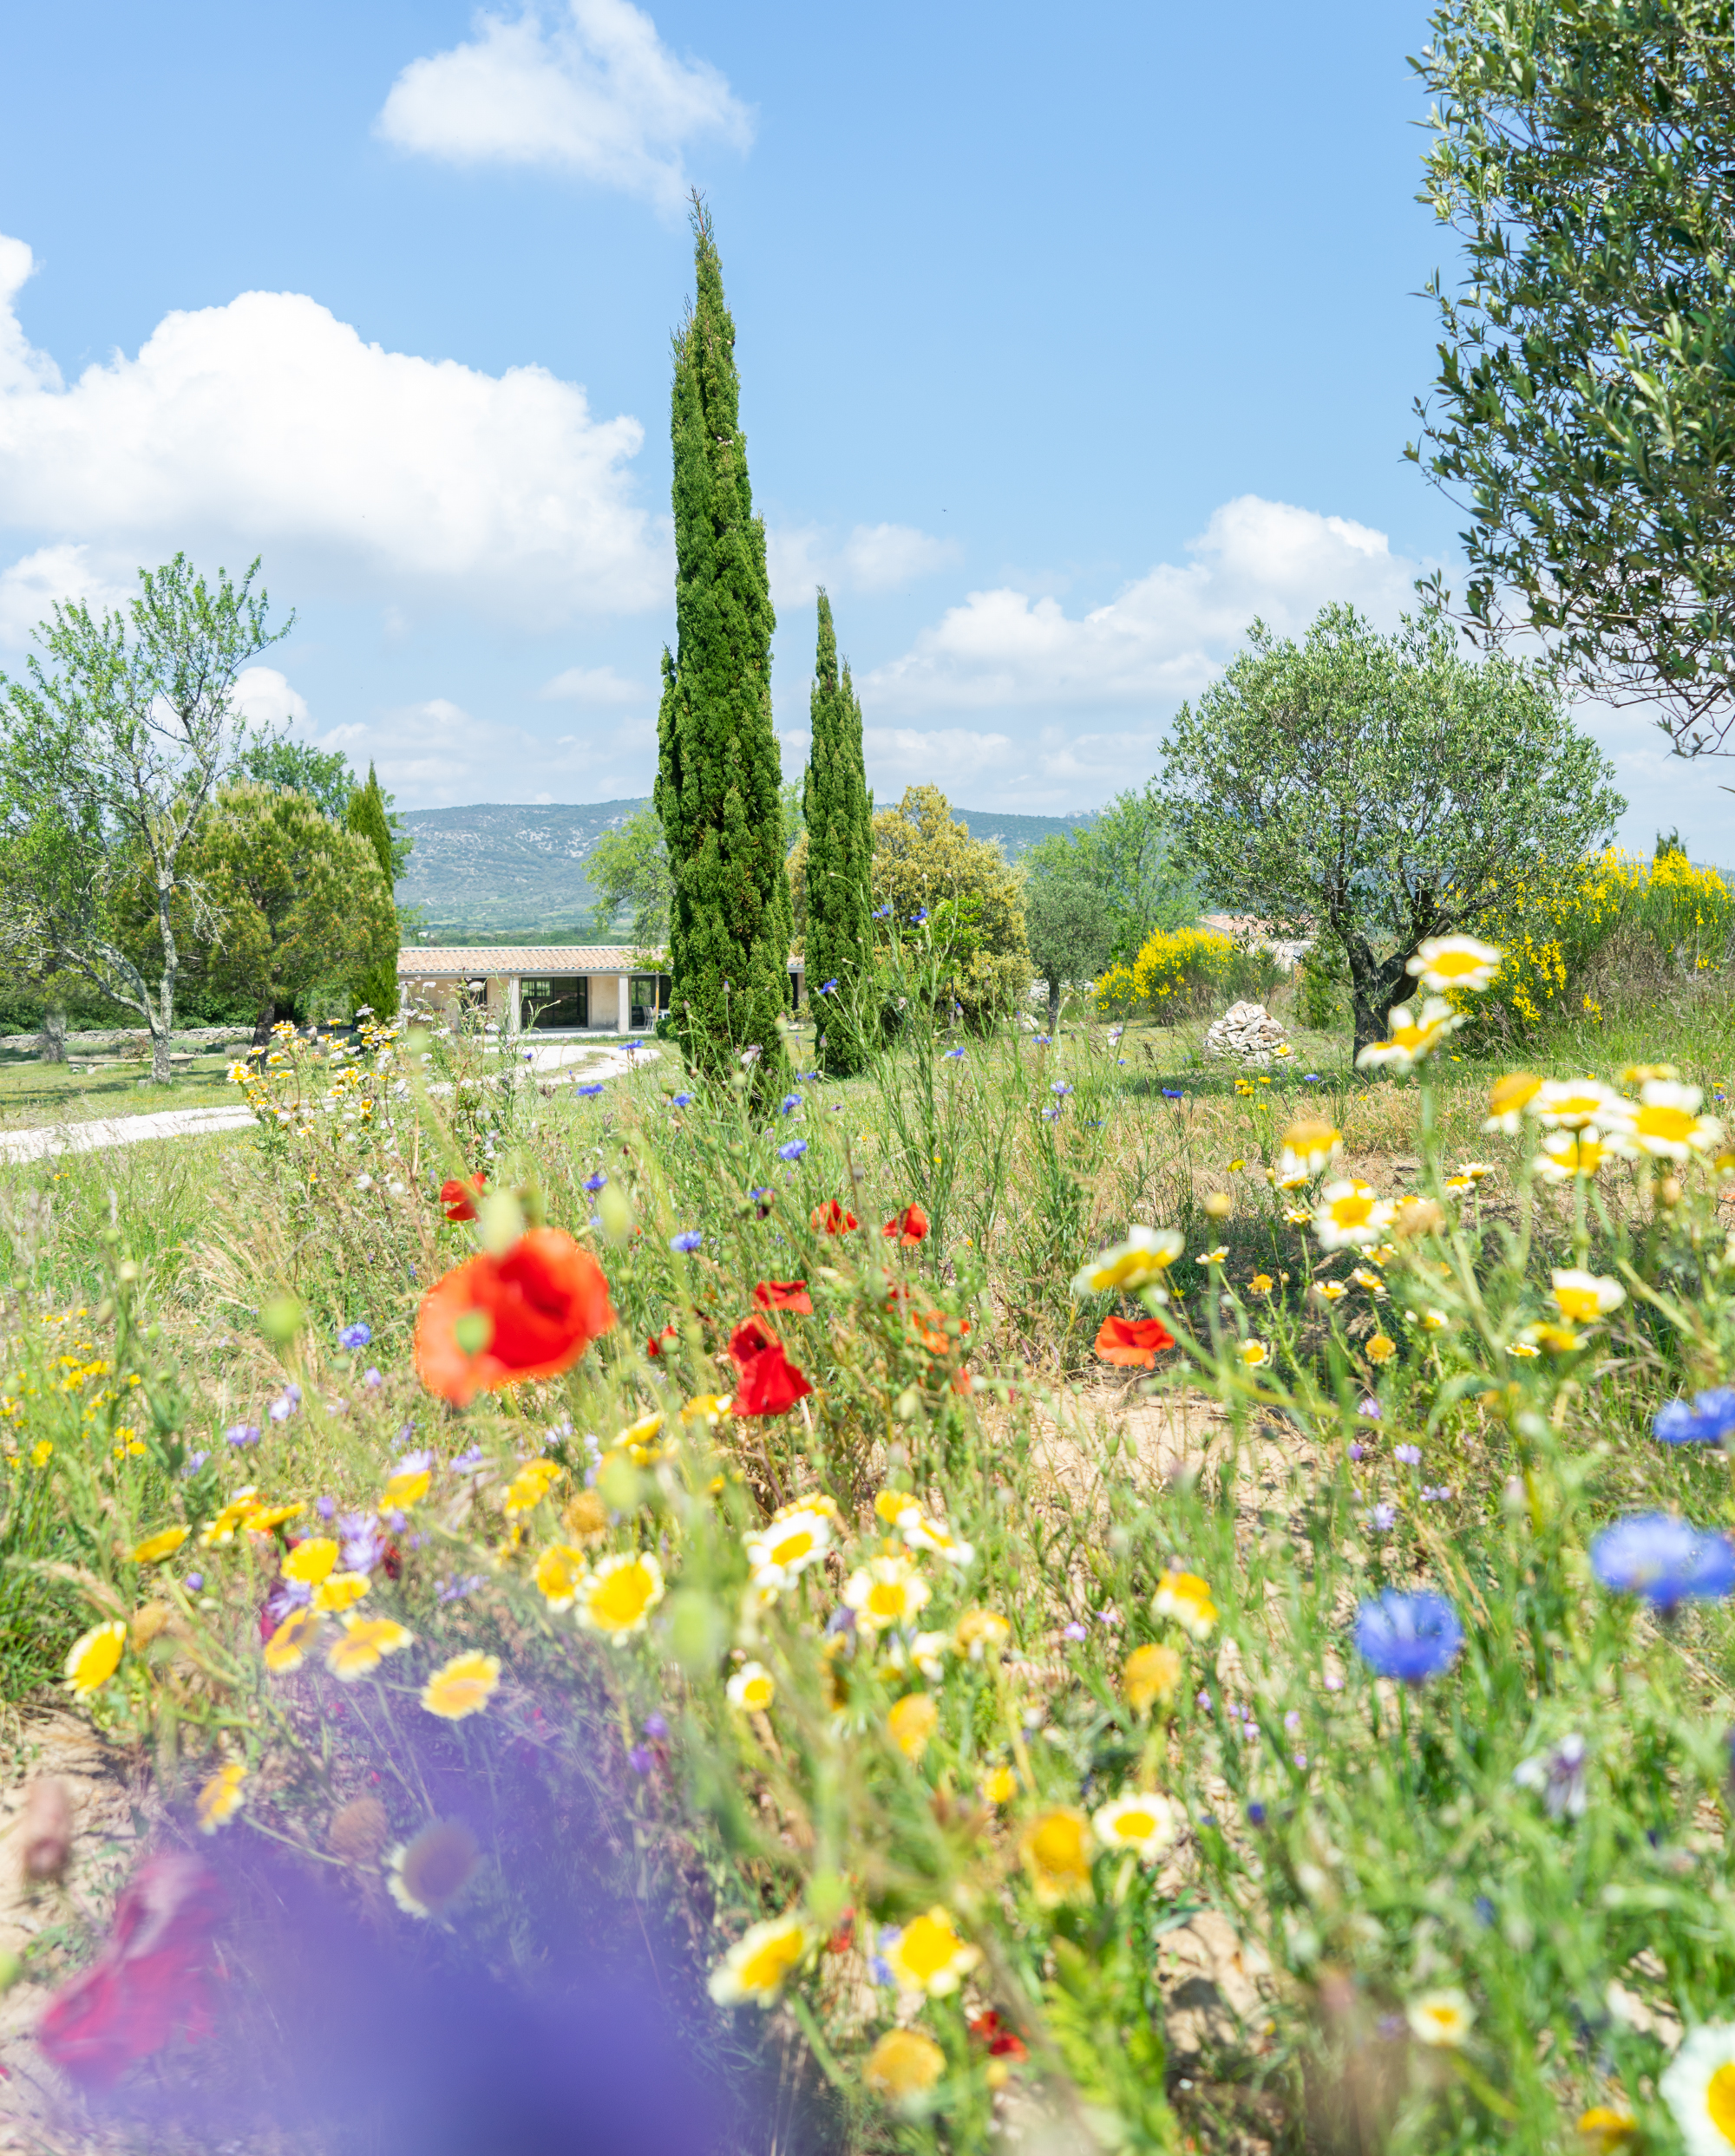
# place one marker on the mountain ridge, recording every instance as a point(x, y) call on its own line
point(495, 867)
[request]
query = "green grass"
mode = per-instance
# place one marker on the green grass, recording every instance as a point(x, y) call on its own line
point(32, 1093)
point(1369, 1845)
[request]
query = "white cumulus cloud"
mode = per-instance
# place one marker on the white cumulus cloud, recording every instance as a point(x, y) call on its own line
point(53, 576)
point(593, 91)
point(264, 697)
point(1160, 639)
point(267, 425)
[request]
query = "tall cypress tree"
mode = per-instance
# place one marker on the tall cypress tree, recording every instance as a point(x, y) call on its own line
point(839, 862)
point(365, 816)
point(718, 771)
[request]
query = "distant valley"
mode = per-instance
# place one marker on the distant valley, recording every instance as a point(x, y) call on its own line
point(515, 869)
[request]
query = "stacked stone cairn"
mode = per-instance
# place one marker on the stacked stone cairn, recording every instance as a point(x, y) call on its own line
point(1247, 1034)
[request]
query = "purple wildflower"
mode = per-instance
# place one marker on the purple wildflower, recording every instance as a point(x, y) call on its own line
point(359, 1335)
point(1667, 1560)
point(1412, 1638)
point(687, 1241)
point(1410, 1454)
point(243, 1434)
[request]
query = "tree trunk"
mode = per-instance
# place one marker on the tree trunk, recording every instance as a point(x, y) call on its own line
point(162, 1018)
point(263, 1023)
point(1375, 985)
point(1053, 1003)
point(52, 1042)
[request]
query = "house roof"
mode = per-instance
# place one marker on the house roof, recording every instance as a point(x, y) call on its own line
point(466, 962)
point(435, 962)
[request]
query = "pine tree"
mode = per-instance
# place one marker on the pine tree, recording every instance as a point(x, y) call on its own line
point(365, 816)
point(718, 771)
point(840, 862)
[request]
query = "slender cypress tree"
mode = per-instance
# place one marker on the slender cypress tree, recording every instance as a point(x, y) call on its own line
point(718, 771)
point(839, 862)
point(365, 816)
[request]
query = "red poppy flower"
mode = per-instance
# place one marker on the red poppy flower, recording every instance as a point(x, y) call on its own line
point(148, 1981)
point(769, 1383)
point(930, 1330)
point(459, 1198)
point(493, 1322)
point(1134, 1341)
point(784, 1295)
point(655, 1344)
point(989, 2029)
point(905, 1228)
point(830, 1219)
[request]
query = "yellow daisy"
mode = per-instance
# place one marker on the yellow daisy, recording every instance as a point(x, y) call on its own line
point(221, 1797)
point(463, 1686)
point(365, 1641)
point(1151, 1676)
point(287, 1647)
point(1444, 963)
point(432, 1872)
point(903, 2063)
point(1055, 1847)
point(1140, 1822)
point(309, 1562)
point(529, 1486)
point(96, 1657)
point(559, 1573)
point(616, 1598)
point(1186, 1598)
point(1140, 1262)
point(1441, 2019)
point(752, 1689)
point(154, 1548)
point(886, 1590)
point(761, 1962)
point(928, 1956)
point(343, 1590)
point(911, 1722)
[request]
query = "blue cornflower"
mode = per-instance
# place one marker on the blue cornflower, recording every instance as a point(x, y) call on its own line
point(356, 1336)
point(688, 1239)
point(1708, 1422)
point(594, 1182)
point(882, 912)
point(1060, 1087)
point(791, 1103)
point(828, 988)
point(1255, 1814)
point(918, 917)
point(1173, 1093)
point(1667, 1560)
point(1043, 1041)
point(591, 1091)
point(240, 1433)
point(194, 1463)
point(1410, 1637)
point(683, 1099)
point(759, 1196)
point(793, 1150)
point(954, 1055)
point(1312, 1078)
point(1050, 1115)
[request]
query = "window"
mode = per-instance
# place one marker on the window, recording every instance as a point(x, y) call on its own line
point(556, 1005)
point(642, 1000)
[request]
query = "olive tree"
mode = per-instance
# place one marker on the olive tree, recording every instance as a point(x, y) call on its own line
point(1584, 410)
point(1068, 920)
point(1378, 790)
point(109, 755)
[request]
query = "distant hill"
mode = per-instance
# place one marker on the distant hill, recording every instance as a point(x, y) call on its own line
point(512, 868)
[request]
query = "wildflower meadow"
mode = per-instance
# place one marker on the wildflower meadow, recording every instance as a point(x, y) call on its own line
point(1042, 1594)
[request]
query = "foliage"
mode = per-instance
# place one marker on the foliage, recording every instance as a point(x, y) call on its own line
point(1133, 859)
point(1688, 913)
point(1583, 406)
point(629, 871)
point(1462, 1909)
point(838, 866)
point(376, 986)
point(1378, 790)
point(1173, 975)
point(288, 765)
point(718, 775)
point(1068, 912)
point(106, 765)
point(288, 903)
point(939, 893)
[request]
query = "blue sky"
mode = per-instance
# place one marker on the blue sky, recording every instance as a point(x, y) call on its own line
point(1069, 341)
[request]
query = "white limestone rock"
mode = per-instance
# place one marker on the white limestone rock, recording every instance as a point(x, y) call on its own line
point(1247, 1034)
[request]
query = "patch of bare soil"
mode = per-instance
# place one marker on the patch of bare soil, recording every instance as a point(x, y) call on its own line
point(46, 1921)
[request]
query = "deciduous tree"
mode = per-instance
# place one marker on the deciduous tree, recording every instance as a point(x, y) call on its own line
point(1379, 790)
point(937, 891)
point(629, 869)
point(109, 755)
